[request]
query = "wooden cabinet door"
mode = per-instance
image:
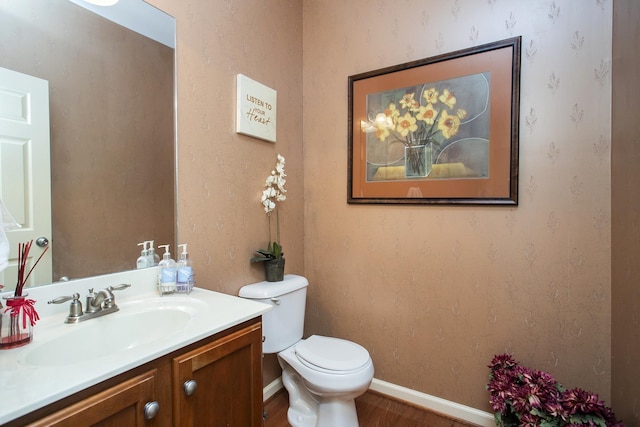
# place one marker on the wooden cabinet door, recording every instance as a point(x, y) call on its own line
point(120, 406)
point(220, 383)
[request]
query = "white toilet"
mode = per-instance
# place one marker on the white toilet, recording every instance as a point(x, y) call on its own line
point(322, 375)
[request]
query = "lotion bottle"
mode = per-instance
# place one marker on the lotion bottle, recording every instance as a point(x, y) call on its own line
point(143, 259)
point(185, 271)
point(167, 271)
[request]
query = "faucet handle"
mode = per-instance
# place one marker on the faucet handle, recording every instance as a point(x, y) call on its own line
point(75, 309)
point(119, 287)
point(62, 299)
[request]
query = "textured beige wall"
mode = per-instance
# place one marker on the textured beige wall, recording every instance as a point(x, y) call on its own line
point(112, 131)
point(432, 291)
point(435, 291)
point(625, 210)
point(221, 174)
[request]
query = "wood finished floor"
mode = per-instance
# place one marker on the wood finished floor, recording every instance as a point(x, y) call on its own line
point(374, 410)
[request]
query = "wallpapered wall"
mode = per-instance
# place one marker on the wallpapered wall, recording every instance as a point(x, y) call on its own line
point(221, 174)
point(625, 210)
point(432, 291)
point(435, 291)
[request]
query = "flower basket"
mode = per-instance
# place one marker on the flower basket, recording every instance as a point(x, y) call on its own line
point(521, 397)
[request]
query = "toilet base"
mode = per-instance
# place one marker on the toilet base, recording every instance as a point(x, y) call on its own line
point(331, 413)
point(307, 410)
point(299, 418)
point(337, 413)
point(303, 407)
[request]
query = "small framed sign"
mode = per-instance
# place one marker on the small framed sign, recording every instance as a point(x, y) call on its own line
point(256, 109)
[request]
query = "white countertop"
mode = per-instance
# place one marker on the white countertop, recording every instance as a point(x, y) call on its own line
point(25, 387)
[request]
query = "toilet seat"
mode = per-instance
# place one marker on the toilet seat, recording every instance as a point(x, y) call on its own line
point(331, 355)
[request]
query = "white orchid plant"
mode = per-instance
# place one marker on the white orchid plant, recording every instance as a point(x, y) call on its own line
point(273, 194)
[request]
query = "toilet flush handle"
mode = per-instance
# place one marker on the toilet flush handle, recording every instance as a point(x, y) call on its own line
point(276, 301)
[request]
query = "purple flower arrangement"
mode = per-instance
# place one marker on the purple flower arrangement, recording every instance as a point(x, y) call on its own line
point(523, 397)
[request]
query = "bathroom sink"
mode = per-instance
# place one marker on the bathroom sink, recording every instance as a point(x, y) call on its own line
point(64, 358)
point(135, 324)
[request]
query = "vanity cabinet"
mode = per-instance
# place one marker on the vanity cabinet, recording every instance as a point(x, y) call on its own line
point(122, 405)
point(220, 384)
point(214, 382)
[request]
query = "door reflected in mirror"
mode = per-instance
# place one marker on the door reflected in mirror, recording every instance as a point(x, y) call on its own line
point(112, 132)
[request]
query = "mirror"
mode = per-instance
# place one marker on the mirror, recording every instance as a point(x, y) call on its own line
point(112, 131)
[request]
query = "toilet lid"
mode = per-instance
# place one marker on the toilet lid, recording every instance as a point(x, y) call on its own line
point(333, 354)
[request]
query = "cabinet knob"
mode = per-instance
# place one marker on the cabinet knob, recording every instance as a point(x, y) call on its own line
point(151, 409)
point(190, 387)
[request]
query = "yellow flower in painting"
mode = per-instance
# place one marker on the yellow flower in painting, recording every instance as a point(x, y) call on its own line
point(406, 124)
point(427, 114)
point(448, 124)
point(448, 98)
point(431, 95)
point(408, 102)
point(382, 131)
point(392, 111)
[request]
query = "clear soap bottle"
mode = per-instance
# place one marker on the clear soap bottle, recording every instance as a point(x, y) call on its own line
point(185, 271)
point(154, 258)
point(143, 259)
point(167, 278)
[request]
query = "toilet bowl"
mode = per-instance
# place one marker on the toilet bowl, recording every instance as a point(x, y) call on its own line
point(323, 375)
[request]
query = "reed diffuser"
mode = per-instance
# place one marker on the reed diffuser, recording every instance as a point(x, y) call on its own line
point(20, 315)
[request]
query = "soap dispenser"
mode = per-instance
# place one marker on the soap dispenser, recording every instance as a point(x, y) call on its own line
point(143, 259)
point(154, 258)
point(185, 271)
point(167, 278)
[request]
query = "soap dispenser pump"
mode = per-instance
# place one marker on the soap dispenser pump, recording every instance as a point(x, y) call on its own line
point(143, 259)
point(167, 278)
point(185, 271)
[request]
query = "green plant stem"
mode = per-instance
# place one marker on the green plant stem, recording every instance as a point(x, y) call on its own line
point(277, 226)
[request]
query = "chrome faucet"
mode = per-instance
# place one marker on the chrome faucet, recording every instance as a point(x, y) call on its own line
point(98, 304)
point(103, 300)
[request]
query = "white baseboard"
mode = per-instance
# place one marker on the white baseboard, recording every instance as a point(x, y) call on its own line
point(433, 403)
point(437, 404)
point(272, 388)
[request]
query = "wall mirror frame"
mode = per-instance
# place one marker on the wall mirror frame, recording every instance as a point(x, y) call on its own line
point(113, 131)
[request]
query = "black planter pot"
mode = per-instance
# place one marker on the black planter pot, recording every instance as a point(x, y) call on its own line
point(274, 270)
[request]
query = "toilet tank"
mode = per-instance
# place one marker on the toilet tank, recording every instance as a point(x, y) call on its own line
point(283, 325)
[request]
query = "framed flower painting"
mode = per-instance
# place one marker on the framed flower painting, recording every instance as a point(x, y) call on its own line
point(440, 130)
